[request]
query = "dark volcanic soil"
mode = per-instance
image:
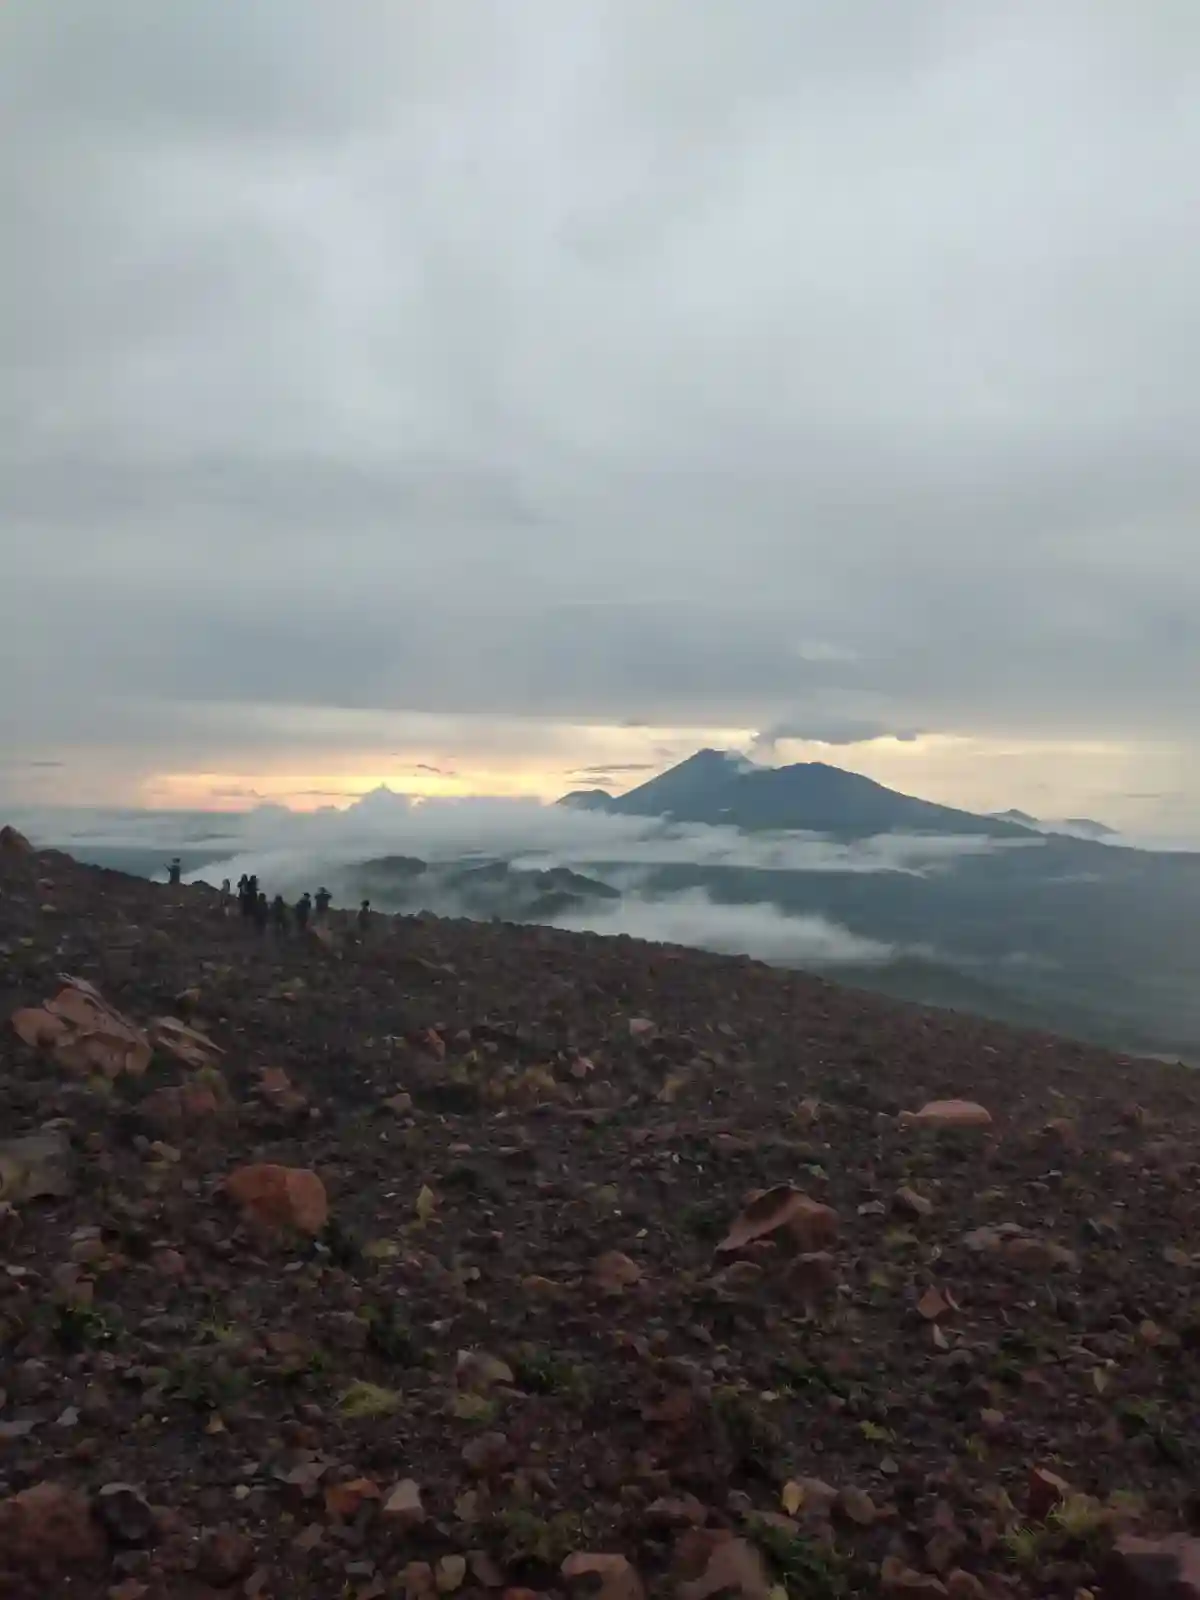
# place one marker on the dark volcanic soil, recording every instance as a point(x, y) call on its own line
point(488, 1127)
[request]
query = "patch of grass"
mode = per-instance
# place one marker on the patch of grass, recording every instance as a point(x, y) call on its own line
point(81, 1327)
point(363, 1400)
point(875, 1433)
point(543, 1372)
point(389, 1336)
point(226, 1334)
point(208, 1385)
point(755, 1440)
point(1024, 1545)
point(1141, 1415)
point(804, 1567)
point(706, 1220)
point(1079, 1517)
point(344, 1246)
point(800, 1375)
point(545, 1540)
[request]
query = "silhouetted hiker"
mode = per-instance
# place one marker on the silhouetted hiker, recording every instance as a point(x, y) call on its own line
point(303, 908)
point(225, 889)
point(279, 913)
point(175, 871)
point(322, 903)
point(364, 916)
point(261, 912)
point(250, 897)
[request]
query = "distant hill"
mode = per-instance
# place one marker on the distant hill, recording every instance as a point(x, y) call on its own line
point(1075, 827)
point(588, 800)
point(1085, 828)
point(721, 787)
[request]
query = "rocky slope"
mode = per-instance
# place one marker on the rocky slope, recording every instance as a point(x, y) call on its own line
point(432, 1263)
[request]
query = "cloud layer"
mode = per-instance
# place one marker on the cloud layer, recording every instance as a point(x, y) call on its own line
point(795, 366)
point(290, 853)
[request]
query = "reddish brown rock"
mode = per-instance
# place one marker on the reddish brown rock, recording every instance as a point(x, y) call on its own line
point(1045, 1491)
point(613, 1272)
point(488, 1455)
point(782, 1211)
point(933, 1305)
point(677, 1511)
point(280, 1197)
point(1153, 1569)
point(911, 1204)
point(856, 1506)
point(962, 1585)
point(733, 1567)
point(1032, 1253)
point(225, 1555)
point(13, 843)
point(812, 1278)
point(898, 1579)
point(948, 1114)
point(418, 1580)
point(478, 1371)
point(49, 1528)
point(618, 1580)
point(1062, 1133)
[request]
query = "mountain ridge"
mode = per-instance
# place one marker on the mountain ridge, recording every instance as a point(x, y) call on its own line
point(720, 787)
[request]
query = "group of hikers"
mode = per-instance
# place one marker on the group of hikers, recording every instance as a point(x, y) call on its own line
point(276, 913)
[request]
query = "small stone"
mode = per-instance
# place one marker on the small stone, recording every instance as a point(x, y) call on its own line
point(857, 1506)
point(169, 1263)
point(933, 1305)
point(618, 1578)
point(1046, 1491)
point(613, 1272)
point(898, 1579)
point(125, 1512)
point(478, 1371)
point(226, 1554)
point(962, 1585)
point(677, 1511)
point(342, 1500)
point(403, 1504)
point(1034, 1254)
point(488, 1455)
point(451, 1574)
point(418, 1580)
point(911, 1204)
point(484, 1569)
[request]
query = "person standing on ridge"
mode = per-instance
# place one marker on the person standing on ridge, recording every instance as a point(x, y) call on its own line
point(279, 914)
point(364, 917)
point(324, 898)
point(175, 872)
point(303, 908)
point(260, 911)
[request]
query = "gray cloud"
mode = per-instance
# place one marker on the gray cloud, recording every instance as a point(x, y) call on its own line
point(827, 730)
point(810, 367)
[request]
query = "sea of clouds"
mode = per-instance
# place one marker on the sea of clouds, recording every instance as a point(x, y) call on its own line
point(293, 851)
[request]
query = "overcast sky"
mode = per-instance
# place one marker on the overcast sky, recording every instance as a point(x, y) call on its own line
point(504, 371)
